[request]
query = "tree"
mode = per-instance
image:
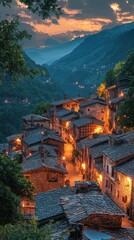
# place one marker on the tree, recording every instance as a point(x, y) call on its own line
point(12, 60)
point(109, 78)
point(13, 187)
point(25, 231)
point(41, 108)
point(101, 90)
point(125, 114)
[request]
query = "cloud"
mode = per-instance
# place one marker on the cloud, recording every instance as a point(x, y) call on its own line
point(79, 17)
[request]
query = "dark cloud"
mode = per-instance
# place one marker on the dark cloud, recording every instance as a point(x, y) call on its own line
point(98, 11)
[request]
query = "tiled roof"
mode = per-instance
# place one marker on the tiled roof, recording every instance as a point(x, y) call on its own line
point(86, 121)
point(3, 146)
point(120, 151)
point(97, 151)
point(117, 99)
point(126, 168)
point(51, 150)
point(34, 117)
point(36, 161)
point(63, 112)
point(48, 203)
point(92, 102)
point(70, 117)
point(41, 134)
point(14, 136)
point(81, 206)
point(60, 102)
point(95, 141)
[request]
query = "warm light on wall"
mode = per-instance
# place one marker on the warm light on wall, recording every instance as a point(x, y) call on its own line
point(71, 137)
point(63, 158)
point(18, 140)
point(83, 165)
point(67, 124)
point(98, 130)
point(128, 181)
point(121, 94)
point(100, 177)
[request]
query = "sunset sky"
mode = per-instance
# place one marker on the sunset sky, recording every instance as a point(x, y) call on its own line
point(80, 17)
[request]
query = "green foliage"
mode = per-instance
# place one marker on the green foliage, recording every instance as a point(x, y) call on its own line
point(125, 115)
point(12, 60)
point(109, 78)
point(41, 108)
point(25, 231)
point(13, 186)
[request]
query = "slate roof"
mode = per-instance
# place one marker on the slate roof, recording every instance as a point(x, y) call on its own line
point(3, 147)
point(92, 102)
point(86, 121)
point(14, 136)
point(69, 117)
point(35, 117)
point(81, 206)
point(97, 151)
point(117, 99)
point(41, 134)
point(120, 151)
point(63, 112)
point(48, 203)
point(51, 150)
point(36, 161)
point(126, 168)
point(90, 142)
point(60, 102)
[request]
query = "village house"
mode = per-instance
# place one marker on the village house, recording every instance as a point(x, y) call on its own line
point(96, 108)
point(15, 143)
point(36, 121)
point(120, 190)
point(85, 127)
point(91, 156)
point(39, 135)
point(89, 207)
point(44, 169)
point(63, 120)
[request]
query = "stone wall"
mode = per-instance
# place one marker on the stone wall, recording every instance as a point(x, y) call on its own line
point(41, 183)
point(103, 220)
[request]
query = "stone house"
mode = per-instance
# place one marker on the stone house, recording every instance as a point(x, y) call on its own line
point(33, 120)
point(63, 120)
point(91, 153)
point(114, 156)
point(124, 187)
point(42, 135)
point(96, 108)
point(15, 143)
point(44, 169)
point(86, 127)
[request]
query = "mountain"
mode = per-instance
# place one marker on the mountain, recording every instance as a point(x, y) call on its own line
point(50, 55)
point(18, 99)
point(84, 68)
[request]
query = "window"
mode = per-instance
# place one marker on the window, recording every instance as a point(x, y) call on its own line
point(27, 177)
point(112, 173)
point(107, 169)
point(102, 110)
point(124, 198)
point(88, 109)
point(117, 193)
point(107, 183)
point(52, 177)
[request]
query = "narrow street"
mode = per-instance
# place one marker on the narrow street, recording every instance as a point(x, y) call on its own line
point(73, 174)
